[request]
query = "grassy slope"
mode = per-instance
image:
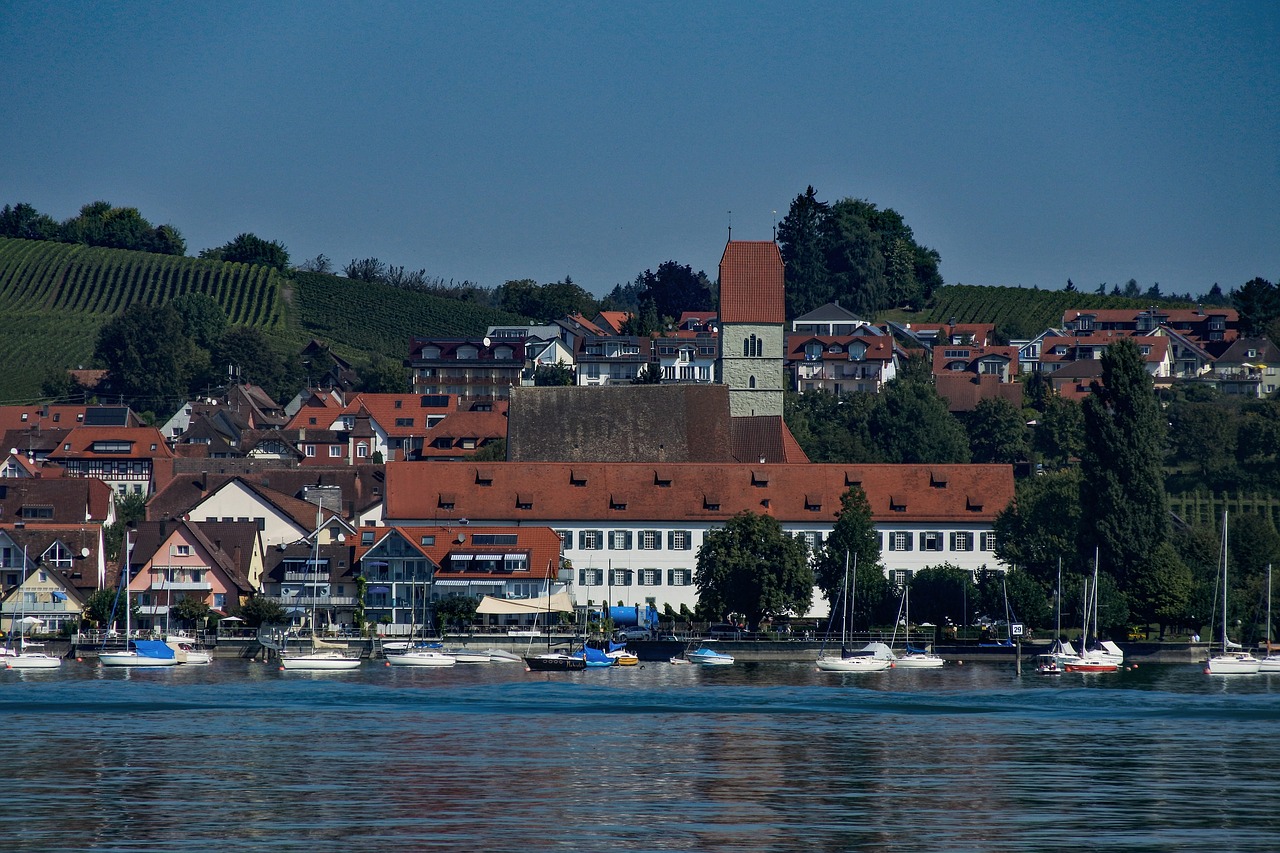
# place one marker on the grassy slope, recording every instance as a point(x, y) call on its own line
point(54, 297)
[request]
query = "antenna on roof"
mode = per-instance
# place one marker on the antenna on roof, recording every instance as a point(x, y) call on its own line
point(730, 226)
point(775, 226)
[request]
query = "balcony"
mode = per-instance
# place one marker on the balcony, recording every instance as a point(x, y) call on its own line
point(181, 586)
point(317, 601)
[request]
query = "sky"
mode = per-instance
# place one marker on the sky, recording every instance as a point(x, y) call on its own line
point(1028, 143)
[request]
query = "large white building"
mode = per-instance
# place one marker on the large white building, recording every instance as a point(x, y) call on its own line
point(632, 530)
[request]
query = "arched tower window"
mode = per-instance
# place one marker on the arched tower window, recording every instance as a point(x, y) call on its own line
point(746, 347)
point(751, 383)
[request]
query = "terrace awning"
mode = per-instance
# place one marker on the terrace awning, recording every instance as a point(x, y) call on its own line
point(559, 603)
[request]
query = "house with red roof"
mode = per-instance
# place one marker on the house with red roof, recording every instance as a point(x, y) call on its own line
point(47, 571)
point(466, 367)
point(125, 458)
point(405, 567)
point(842, 364)
point(1214, 327)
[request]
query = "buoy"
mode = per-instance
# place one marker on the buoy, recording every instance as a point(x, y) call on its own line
point(281, 669)
point(79, 660)
point(388, 663)
point(1206, 670)
point(1135, 666)
point(959, 663)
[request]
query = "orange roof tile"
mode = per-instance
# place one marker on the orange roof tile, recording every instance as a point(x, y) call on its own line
point(751, 283)
point(583, 491)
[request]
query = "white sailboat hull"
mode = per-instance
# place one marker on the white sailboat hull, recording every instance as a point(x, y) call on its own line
point(318, 660)
point(421, 658)
point(1234, 664)
point(133, 659)
point(1271, 663)
point(855, 664)
point(918, 661)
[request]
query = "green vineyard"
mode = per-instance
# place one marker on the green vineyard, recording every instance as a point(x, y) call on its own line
point(370, 317)
point(54, 297)
point(1027, 311)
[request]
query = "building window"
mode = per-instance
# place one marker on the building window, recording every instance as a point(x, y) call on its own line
point(335, 451)
point(620, 540)
point(362, 450)
point(566, 539)
point(590, 540)
point(58, 556)
point(650, 540)
point(650, 577)
point(931, 541)
point(988, 541)
point(182, 550)
point(961, 541)
point(900, 577)
point(812, 539)
point(679, 577)
point(590, 577)
point(899, 541)
point(311, 450)
point(679, 540)
point(620, 577)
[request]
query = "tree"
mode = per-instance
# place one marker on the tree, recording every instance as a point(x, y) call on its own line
point(26, 223)
point(752, 566)
point(998, 432)
point(383, 375)
point(493, 451)
point(130, 509)
point(942, 594)
point(1258, 302)
point(191, 610)
point(457, 611)
point(1125, 513)
point(676, 288)
point(320, 263)
point(832, 428)
point(544, 302)
point(149, 359)
point(246, 353)
point(260, 610)
point(852, 542)
point(1027, 599)
point(1041, 527)
point(802, 242)
point(1059, 433)
point(650, 374)
point(251, 249)
point(545, 375)
point(101, 224)
point(911, 424)
point(203, 319)
point(100, 607)
point(368, 269)
point(1160, 588)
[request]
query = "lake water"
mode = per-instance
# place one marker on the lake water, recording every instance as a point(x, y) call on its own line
point(242, 756)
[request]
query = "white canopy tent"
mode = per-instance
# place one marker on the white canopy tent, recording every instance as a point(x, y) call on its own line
point(559, 602)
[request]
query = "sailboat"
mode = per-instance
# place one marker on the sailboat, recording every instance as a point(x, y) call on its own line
point(317, 655)
point(418, 652)
point(550, 661)
point(189, 650)
point(871, 659)
point(30, 655)
point(136, 652)
point(1105, 659)
point(1230, 662)
point(1047, 664)
point(914, 658)
point(1271, 663)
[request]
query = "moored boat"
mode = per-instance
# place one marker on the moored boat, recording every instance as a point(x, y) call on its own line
point(1231, 661)
point(421, 657)
point(704, 656)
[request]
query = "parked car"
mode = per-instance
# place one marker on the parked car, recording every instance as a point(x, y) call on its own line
point(622, 635)
point(724, 631)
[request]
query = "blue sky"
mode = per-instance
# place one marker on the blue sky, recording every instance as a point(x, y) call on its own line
point(1028, 143)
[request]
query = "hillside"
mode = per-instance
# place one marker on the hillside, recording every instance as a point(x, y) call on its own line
point(1022, 310)
point(55, 296)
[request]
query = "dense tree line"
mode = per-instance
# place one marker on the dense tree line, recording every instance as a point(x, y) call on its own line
point(99, 223)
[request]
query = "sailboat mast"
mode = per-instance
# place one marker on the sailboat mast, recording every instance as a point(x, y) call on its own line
point(1224, 582)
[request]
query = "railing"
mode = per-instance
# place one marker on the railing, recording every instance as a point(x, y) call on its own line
point(11, 608)
point(318, 601)
point(162, 585)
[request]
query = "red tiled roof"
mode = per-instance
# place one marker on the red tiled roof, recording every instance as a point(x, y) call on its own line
point(751, 283)
point(413, 491)
point(542, 544)
point(877, 348)
point(144, 443)
point(964, 391)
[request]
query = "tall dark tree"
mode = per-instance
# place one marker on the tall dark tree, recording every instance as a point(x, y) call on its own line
point(383, 375)
point(1258, 302)
point(853, 541)
point(942, 594)
point(832, 428)
point(101, 224)
point(802, 242)
point(251, 249)
point(752, 566)
point(1125, 512)
point(150, 361)
point(245, 353)
point(1059, 432)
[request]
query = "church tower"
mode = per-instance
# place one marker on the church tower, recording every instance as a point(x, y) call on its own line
point(752, 327)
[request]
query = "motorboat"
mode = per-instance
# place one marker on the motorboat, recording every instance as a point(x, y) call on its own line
point(189, 650)
point(1047, 664)
point(464, 655)
point(32, 656)
point(704, 656)
point(1090, 662)
point(502, 656)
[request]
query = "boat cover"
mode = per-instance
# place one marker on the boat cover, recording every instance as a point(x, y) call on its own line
point(559, 602)
point(597, 655)
point(152, 649)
